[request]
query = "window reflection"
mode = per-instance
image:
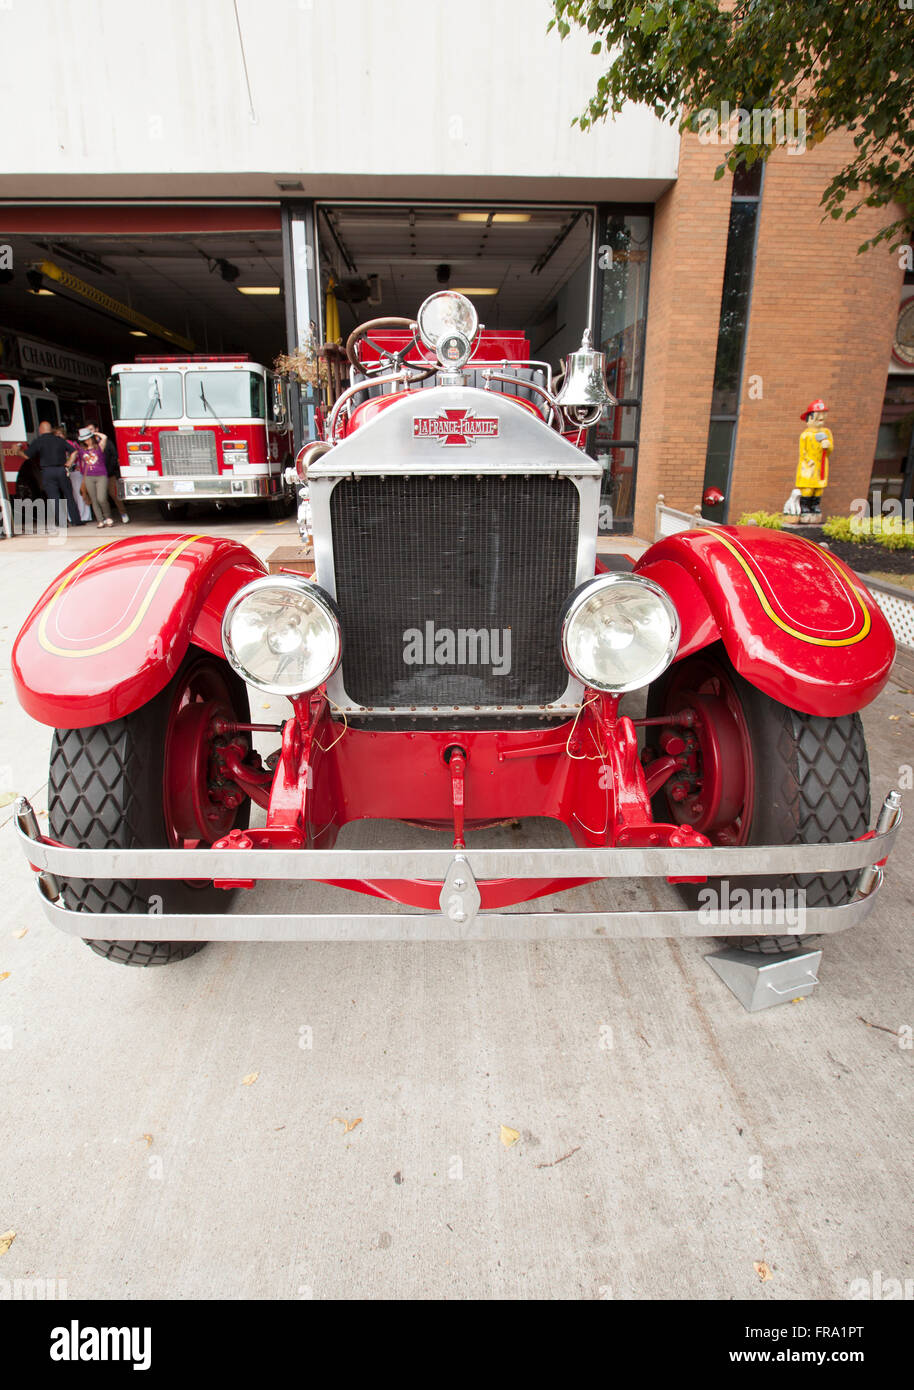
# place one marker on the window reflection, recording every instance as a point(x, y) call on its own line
point(623, 259)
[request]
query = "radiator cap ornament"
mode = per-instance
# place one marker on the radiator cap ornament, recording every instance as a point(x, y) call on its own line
point(453, 351)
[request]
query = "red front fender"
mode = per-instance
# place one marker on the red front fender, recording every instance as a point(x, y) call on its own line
point(795, 620)
point(111, 631)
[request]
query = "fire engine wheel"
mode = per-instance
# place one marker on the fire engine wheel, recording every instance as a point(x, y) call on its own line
point(173, 511)
point(762, 773)
point(278, 508)
point(28, 489)
point(144, 782)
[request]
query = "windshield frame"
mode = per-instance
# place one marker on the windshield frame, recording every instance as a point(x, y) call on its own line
point(7, 405)
point(116, 391)
point(217, 409)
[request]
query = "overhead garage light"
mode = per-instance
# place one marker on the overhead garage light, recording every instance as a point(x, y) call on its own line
point(490, 289)
point(496, 217)
point(69, 285)
point(44, 291)
point(138, 333)
point(258, 289)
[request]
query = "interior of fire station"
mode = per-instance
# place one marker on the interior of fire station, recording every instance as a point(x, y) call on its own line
point(87, 288)
point(550, 271)
point(95, 298)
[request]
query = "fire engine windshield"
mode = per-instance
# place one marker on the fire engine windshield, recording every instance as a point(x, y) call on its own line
point(226, 395)
point(146, 396)
point(6, 406)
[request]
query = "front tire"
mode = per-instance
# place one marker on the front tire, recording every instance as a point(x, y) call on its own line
point(280, 506)
point(804, 780)
point(108, 788)
point(173, 511)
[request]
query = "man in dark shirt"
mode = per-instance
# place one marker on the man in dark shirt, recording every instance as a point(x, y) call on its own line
point(55, 457)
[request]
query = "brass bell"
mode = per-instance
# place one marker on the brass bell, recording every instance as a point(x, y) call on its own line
point(583, 392)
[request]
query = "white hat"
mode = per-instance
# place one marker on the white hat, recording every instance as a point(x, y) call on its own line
point(87, 432)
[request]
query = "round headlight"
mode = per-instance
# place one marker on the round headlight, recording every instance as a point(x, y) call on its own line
point(445, 313)
point(619, 632)
point(282, 634)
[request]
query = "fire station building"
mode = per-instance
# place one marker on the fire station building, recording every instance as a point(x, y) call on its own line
point(248, 177)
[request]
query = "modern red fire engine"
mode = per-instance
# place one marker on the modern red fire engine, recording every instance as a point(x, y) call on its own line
point(201, 428)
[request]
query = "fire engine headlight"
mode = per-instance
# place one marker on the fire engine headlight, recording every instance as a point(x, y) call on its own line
point(619, 632)
point(282, 634)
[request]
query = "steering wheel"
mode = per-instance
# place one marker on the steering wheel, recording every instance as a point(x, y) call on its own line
point(389, 361)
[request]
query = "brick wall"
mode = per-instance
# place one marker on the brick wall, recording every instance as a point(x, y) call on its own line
point(687, 268)
point(821, 324)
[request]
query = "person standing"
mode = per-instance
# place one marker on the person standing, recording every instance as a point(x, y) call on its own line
point(95, 475)
point(76, 478)
point(113, 467)
point(55, 457)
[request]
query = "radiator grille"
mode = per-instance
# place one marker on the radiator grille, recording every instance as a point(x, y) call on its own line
point(451, 588)
point(187, 453)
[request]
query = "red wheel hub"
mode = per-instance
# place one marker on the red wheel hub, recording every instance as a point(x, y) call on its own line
point(199, 807)
point(194, 814)
point(715, 792)
point(719, 798)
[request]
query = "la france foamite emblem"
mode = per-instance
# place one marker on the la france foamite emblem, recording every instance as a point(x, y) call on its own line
point(456, 427)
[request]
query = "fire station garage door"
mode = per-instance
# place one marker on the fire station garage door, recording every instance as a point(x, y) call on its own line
point(548, 269)
point(524, 267)
point(113, 281)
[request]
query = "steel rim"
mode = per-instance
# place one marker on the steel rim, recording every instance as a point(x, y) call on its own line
point(192, 815)
point(720, 805)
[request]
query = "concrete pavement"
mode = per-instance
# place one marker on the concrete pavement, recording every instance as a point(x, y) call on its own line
point(669, 1142)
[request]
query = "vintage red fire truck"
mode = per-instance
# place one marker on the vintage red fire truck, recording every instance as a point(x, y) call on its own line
point(201, 428)
point(458, 657)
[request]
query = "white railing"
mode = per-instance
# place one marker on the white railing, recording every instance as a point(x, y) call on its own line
point(897, 605)
point(668, 521)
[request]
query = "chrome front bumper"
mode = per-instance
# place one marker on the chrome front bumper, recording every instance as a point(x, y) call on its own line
point(155, 488)
point(458, 871)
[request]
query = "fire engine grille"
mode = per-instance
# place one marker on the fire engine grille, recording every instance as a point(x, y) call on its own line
point(184, 453)
point(451, 588)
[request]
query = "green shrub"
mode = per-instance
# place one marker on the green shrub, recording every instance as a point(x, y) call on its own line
point(840, 528)
point(770, 519)
point(901, 538)
point(891, 532)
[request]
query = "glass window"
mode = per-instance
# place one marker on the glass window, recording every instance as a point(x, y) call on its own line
point(27, 416)
point(623, 256)
point(619, 425)
point(747, 183)
point(7, 397)
point(228, 395)
point(147, 396)
point(623, 264)
point(617, 490)
point(277, 401)
point(717, 465)
point(46, 410)
point(734, 307)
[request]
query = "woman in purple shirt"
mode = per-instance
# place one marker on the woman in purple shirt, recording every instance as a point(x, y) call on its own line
point(95, 475)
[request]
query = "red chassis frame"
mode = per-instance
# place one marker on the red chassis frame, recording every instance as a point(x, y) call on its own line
point(585, 773)
point(110, 632)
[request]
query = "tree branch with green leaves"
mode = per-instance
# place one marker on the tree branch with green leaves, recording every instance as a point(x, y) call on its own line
point(843, 65)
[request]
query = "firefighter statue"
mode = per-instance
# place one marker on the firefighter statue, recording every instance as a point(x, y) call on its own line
point(816, 445)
